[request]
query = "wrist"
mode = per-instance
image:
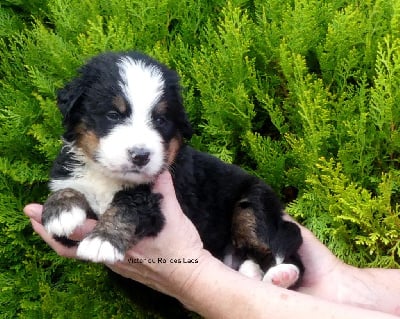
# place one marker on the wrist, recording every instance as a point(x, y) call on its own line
point(184, 278)
point(353, 288)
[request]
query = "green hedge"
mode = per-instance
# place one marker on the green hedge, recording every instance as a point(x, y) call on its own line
point(303, 93)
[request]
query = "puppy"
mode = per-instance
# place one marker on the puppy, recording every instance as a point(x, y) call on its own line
point(124, 125)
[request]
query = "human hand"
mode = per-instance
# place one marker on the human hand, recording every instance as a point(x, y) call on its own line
point(158, 261)
point(325, 276)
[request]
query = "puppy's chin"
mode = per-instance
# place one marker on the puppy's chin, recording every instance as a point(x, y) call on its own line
point(135, 176)
point(131, 177)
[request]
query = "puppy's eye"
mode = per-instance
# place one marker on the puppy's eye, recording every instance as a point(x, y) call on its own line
point(113, 115)
point(160, 120)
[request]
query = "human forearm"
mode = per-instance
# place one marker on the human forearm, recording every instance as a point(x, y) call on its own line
point(215, 291)
point(376, 289)
point(328, 278)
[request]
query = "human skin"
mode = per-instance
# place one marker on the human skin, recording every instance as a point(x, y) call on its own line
point(329, 288)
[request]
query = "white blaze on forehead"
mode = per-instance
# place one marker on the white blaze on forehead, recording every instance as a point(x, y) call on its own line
point(141, 84)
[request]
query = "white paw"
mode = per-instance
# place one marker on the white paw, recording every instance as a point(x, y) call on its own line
point(99, 250)
point(251, 269)
point(283, 275)
point(65, 223)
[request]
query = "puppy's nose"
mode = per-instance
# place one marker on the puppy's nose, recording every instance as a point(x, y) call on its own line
point(139, 156)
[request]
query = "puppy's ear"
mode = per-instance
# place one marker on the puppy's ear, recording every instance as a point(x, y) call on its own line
point(182, 120)
point(69, 97)
point(184, 126)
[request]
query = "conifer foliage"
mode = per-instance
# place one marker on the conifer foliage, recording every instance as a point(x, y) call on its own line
point(303, 93)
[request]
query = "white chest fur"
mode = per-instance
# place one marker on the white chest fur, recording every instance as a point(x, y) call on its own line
point(90, 180)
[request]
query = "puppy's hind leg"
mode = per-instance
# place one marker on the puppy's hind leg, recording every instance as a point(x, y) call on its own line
point(266, 239)
point(247, 241)
point(288, 269)
point(282, 275)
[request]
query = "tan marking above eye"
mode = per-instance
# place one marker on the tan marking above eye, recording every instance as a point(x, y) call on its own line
point(161, 107)
point(119, 103)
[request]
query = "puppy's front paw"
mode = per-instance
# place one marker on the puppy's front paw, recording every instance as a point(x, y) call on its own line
point(282, 275)
point(65, 222)
point(98, 249)
point(64, 210)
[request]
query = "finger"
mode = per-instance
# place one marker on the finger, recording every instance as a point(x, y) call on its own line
point(289, 218)
point(80, 232)
point(164, 184)
point(60, 249)
point(169, 204)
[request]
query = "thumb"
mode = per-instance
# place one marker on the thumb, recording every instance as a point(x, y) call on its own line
point(34, 211)
point(164, 185)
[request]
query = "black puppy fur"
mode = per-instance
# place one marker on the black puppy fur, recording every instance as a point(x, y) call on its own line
point(235, 213)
